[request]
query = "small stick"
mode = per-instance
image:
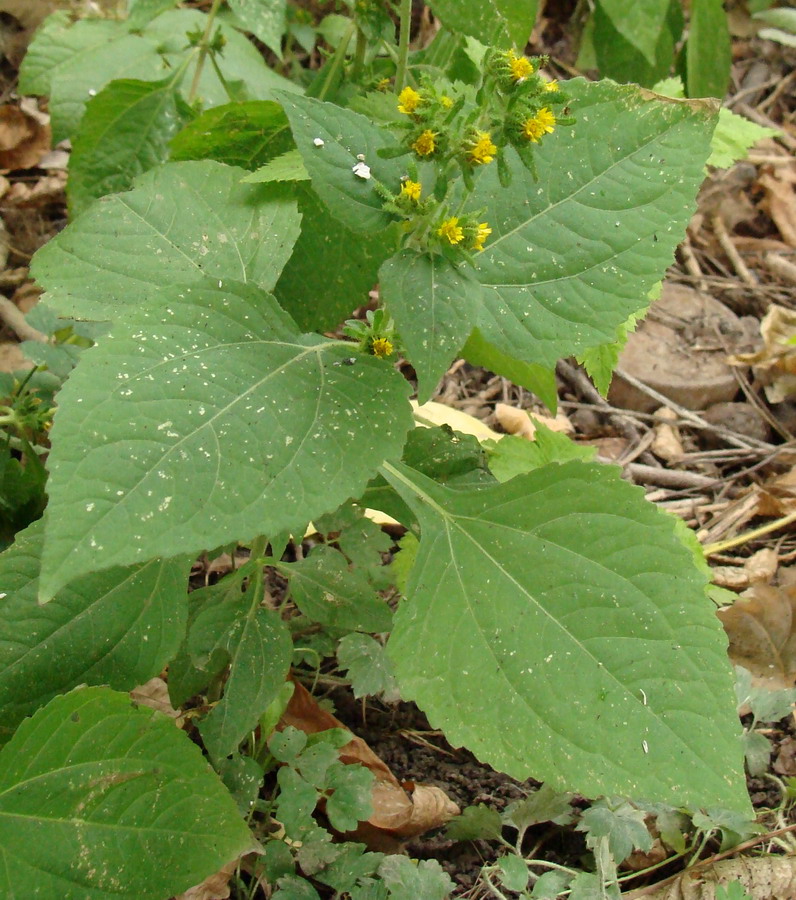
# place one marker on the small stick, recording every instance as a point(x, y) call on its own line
point(778, 265)
point(671, 478)
point(739, 539)
point(13, 316)
point(729, 248)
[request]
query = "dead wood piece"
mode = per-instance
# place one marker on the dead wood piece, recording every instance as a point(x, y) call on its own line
point(671, 478)
point(781, 267)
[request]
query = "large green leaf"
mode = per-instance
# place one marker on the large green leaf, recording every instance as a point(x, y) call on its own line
point(181, 222)
point(245, 74)
point(332, 269)
point(573, 255)
point(434, 305)
point(207, 419)
point(708, 51)
point(259, 648)
point(118, 627)
point(247, 134)
point(331, 139)
point(557, 627)
point(638, 23)
point(263, 18)
point(507, 22)
point(101, 800)
point(124, 132)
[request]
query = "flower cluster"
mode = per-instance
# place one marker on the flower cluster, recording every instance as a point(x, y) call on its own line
point(463, 230)
point(376, 335)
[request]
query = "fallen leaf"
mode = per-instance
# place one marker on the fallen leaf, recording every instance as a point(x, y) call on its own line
point(762, 566)
point(23, 138)
point(780, 201)
point(399, 811)
point(774, 364)
point(155, 694)
point(214, 887)
point(778, 496)
point(785, 763)
point(519, 422)
point(761, 629)
point(438, 414)
point(764, 878)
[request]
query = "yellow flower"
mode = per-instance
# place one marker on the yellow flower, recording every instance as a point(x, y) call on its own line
point(411, 190)
point(426, 143)
point(519, 67)
point(382, 348)
point(481, 234)
point(446, 101)
point(408, 101)
point(383, 85)
point(483, 150)
point(536, 127)
point(451, 230)
point(551, 86)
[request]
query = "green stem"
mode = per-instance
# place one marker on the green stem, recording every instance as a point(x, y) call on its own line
point(403, 44)
point(359, 55)
point(257, 552)
point(738, 540)
point(204, 48)
point(337, 61)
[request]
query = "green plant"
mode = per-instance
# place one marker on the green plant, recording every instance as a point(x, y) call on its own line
point(641, 42)
point(553, 621)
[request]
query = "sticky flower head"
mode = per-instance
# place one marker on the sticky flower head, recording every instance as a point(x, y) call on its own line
point(482, 232)
point(451, 231)
point(425, 143)
point(381, 347)
point(482, 149)
point(411, 190)
point(520, 67)
point(535, 127)
point(408, 101)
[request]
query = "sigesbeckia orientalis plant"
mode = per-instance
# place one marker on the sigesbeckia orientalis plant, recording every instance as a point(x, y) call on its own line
point(552, 620)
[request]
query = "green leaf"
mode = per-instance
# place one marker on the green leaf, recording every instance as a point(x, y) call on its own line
point(538, 379)
point(118, 627)
point(489, 21)
point(544, 805)
point(286, 745)
point(292, 887)
point(434, 305)
point(778, 18)
point(73, 63)
point(124, 132)
point(601, 361)
point(230, 422)
point(240, 62)
point(327, 590)
point(287, 167)
point(480, 822)
point(351, 867)
point(259, 648)
point(708, 51)
point(757, 752)
point(618, 57)
point(513, 872)
point(332, 268)
point(100, 799)
point(566, 577)
point(410, 879)
point(367, 665)
point(142, 12)
point(623, 826)
point(296, 803)
point(733, 137)
point(638, 23)
point(571, 256)
point(351, 801)
point(246, 134)
point(265, 19)
point(512, 455)
point(345, 136)
point(134, 245)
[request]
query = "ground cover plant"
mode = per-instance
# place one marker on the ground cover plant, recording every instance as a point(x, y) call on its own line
point(226, 219)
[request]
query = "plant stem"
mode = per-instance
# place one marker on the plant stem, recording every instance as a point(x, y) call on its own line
point(359, 55)
point(257, 552)
point(337, 60)
point(403, 44)
point(710, 549)
point(204, 47)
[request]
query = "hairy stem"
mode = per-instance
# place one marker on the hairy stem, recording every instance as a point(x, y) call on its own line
point(403, 44)
point(204, 49)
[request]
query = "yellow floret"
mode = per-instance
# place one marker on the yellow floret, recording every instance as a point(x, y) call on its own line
point(519, 67)
point(408, 101)
point(536, 127)
point(483, 150)
point(426, 143)
point(451, 230)
point(411, 190)
point(382, 348)
point(482, 233)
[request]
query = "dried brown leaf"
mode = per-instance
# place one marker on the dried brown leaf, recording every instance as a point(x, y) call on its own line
point(518, 421)
point(764, 878)
point(780, 201)
point(761, 627)
point(24, 139)
point(399, 811)
point(214, 887)
point(785, 763)
point(155, 694)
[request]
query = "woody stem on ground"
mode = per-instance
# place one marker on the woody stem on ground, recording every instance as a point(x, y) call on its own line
point(204, 49)
point(405, 15)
